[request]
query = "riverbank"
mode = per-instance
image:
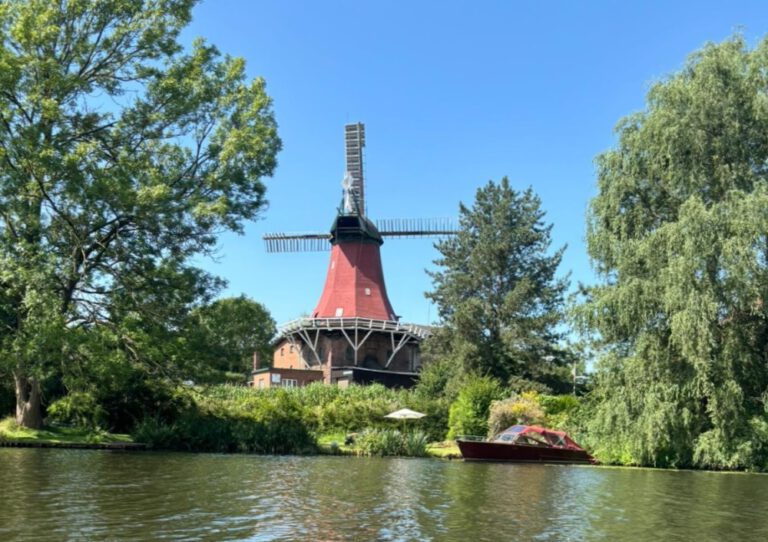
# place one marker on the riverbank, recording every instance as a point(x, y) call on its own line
point(13, 435)
point(335, 443)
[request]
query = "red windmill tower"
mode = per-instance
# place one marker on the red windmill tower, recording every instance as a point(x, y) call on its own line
point(353, 335)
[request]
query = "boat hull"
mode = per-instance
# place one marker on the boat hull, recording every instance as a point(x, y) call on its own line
point(520, 453)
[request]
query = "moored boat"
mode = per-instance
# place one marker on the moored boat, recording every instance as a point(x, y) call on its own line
point(525, 444)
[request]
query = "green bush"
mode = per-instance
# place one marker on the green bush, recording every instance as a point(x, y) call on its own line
point(386, 442)
point(273, 424)
point(518, 384)
point(134, 396)
point(560, 410)
point(78, 408)
point(226, 418)
point(415, 444)
point(331, 409)
point(520, 409)
point(469, 413)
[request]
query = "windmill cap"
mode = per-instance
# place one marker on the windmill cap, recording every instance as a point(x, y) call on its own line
point(354, 228)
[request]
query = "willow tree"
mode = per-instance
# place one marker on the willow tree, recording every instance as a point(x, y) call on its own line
point(497, 291)
point(121, 156)
point(679, 234)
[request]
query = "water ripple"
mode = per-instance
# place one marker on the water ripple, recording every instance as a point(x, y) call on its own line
point(92, 495)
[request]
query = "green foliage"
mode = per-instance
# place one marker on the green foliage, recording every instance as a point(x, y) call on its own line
point(103, 208)
point(7, 397)
point(496, 289)
point(561, 411)
point(275, 424)
point(468, 415)
point(517, 384)
point(383, 442)
point(330, 409)
point(222, 336)
point(440, 375)
point(79, 409)
point(277, 420)
point(10, 430)
point(521, 409)
point(678, 234)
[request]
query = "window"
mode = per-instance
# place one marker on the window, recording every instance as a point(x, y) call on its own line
point(290, 383)
point(290, 349)
point(339, 312)
point(367, 291)
point(282, 352)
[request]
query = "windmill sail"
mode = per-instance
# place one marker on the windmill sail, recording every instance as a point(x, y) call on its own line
point(297, 242)
point(354, 139)
point(353, 204)
point(388, 227)
point(416, 227)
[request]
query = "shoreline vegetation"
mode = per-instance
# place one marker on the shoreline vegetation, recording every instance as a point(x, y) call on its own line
point(316, 419)
point(319, 419)
point(14, 435)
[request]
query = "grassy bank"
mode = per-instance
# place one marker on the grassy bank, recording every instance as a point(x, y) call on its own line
point(293, 421)
point(11, 431)
point(308, 420)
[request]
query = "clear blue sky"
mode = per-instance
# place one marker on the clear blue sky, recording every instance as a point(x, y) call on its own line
point(452, 94)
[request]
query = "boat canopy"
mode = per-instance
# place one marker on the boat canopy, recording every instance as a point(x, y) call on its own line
point(534, 435)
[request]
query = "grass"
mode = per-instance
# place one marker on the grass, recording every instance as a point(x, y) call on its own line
point(333, 444)
point(443, 450)
point(439, 450)
point(10, 430)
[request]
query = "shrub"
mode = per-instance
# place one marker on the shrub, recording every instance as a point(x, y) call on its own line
point(415, 444)
point(235, 418)
point(518, 384)
point(560, 410)
point(519, 409)
point(469, 413)
point(273, 424)
point(136, 396)
point(438, 378)
point(384, 442)
point(78, 408)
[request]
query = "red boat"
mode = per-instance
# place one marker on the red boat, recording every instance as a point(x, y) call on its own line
point(525, 444)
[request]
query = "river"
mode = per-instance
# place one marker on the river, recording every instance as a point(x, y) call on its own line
point(61, 495)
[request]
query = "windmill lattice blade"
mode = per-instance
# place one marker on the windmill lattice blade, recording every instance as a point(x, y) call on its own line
point(416, 227)
point(301, 242)
point(354, 140)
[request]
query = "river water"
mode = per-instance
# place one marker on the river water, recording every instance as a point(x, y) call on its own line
point(61, 495)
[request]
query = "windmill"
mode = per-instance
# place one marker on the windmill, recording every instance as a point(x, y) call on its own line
point(354, 334)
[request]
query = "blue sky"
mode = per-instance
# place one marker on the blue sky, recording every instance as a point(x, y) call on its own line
point(453, 94)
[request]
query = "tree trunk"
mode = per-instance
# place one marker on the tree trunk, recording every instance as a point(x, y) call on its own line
point(29, 412)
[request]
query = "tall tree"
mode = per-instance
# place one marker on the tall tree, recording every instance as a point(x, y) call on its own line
point(224, 335)
point(121, 155)
point(678, 232)
point(497, 291)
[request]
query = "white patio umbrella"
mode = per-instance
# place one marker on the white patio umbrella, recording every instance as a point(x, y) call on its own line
point(405, 414)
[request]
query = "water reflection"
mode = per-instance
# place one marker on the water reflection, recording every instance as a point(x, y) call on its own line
point(83, 495)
